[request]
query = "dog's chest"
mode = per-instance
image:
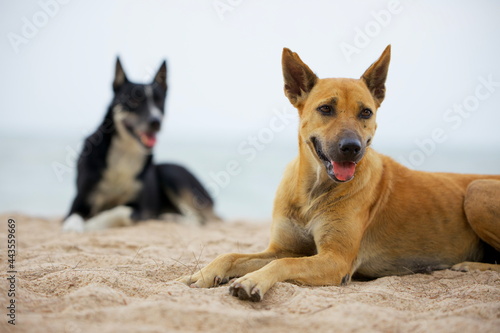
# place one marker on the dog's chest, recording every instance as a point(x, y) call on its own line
point(119, 184)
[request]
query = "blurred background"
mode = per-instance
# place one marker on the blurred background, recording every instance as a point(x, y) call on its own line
point(227, 118)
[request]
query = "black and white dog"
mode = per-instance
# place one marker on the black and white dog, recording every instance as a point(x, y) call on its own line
point(117, 181)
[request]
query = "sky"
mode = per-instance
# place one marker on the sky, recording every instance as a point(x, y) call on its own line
point(224, 72)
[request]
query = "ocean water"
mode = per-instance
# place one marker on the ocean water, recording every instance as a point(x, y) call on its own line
point(37, 174)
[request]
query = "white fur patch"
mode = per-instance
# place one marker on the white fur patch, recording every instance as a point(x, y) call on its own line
point(116, 217)
point(126, 158)
point(75, 223)
point(153, 109)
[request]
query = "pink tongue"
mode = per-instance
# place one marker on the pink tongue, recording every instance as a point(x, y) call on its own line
point(148, 140)
point(344, 170)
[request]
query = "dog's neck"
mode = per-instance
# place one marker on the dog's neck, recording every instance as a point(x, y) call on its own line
point(312, 178)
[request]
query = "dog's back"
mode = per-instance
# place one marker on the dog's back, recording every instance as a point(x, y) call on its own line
point(417, 220)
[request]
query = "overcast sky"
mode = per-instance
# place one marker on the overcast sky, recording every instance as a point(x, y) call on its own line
point(224, 60)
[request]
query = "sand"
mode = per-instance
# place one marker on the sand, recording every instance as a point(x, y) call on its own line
point(121, 280)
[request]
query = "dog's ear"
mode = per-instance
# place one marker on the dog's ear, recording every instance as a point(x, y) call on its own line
point(120, 77)
point(161, 76)
point(374, 77)
point(299, 78)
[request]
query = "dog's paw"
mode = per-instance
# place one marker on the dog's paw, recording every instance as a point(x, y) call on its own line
point(468, 266)
point(74, 223)
point(115, 217)
point(199, 280)
point(461, 267)
point(186, 279)
point(246, 289)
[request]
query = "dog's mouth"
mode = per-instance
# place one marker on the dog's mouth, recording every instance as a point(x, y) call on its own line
point(337, 171)
point(146, 138)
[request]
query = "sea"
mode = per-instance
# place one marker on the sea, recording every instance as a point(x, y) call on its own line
point(242, 172)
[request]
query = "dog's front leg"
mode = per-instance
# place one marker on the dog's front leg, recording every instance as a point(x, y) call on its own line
point(318, 270)
point(119, 216)
point(337, 244)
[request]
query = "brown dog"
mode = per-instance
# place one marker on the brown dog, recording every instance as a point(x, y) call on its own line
point(343, 209)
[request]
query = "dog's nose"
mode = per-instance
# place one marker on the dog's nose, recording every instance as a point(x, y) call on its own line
point(349, 148)
point(154, 123)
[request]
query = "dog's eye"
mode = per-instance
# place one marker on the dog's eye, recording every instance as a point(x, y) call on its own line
point(366, 114)
point(325, 109)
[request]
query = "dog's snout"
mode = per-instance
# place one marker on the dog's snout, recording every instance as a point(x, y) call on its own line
point(349, 148)
point(154, 123)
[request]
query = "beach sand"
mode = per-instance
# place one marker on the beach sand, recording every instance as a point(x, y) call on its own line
point(121, 280)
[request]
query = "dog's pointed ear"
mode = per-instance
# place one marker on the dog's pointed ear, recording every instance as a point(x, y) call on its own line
point(120, 77)
point(299, 78)
point(375, 76)
point(161, 76)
